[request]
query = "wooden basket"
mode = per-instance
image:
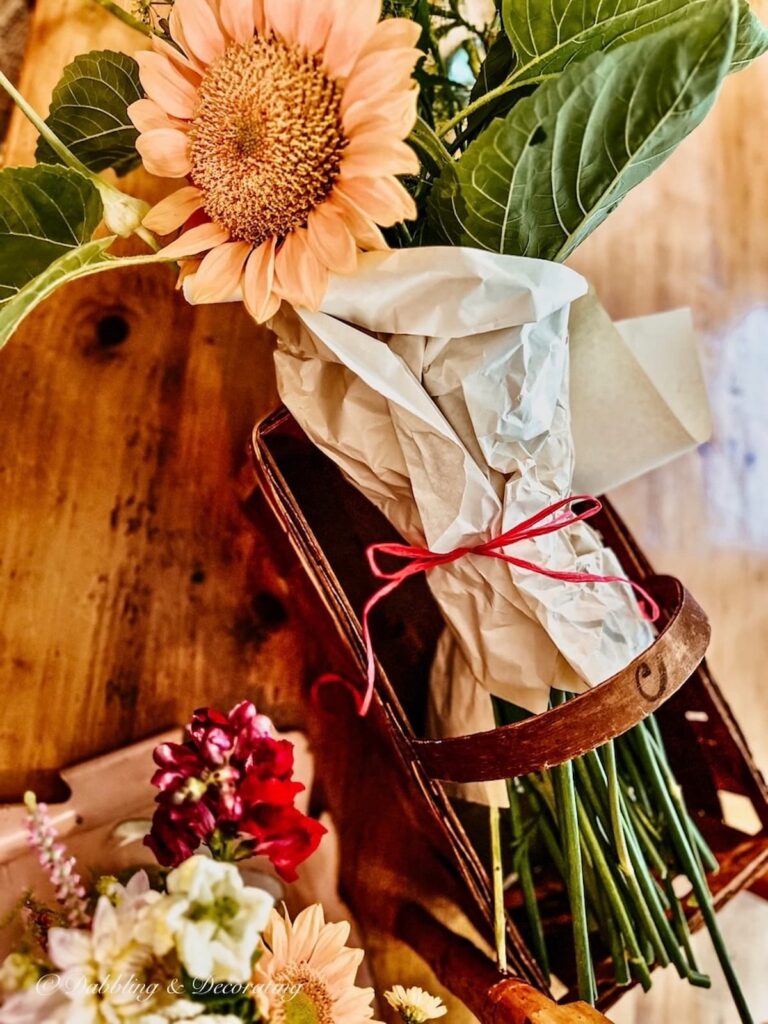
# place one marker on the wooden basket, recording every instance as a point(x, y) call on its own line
point(402, 841)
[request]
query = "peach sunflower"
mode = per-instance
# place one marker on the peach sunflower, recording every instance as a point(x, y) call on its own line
point(288, 120)
point(308, 972)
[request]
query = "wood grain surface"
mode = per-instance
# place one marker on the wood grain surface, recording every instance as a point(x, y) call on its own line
point(127, 571)
point(132, 588)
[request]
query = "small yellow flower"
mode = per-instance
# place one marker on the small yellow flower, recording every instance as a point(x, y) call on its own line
point(414, 1004)
point(18, 972)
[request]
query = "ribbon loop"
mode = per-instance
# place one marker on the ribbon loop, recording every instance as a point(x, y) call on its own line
point(421, 560)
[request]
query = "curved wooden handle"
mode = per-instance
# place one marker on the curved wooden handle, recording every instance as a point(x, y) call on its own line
point(592, 718)
point(494, 998)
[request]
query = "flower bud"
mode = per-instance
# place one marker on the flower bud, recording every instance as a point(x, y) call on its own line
point(123, 214)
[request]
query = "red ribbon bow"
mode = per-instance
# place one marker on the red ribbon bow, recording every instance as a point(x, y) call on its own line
point(418, 560)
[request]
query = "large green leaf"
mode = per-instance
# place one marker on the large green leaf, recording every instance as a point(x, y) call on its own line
point(90, 258)
point(547, 37)
point(540, 180)
point(89, 112)
point(45, 212)
point(751, 38)
point(85, 259)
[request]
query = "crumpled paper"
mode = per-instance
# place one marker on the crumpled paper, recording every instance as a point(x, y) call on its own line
point(438, 380)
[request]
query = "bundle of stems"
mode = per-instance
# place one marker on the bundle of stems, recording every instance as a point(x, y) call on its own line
point(614, 826)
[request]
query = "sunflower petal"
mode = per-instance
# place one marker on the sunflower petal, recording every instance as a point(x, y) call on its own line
point(366, 233)
point(283, 16)
point(191, 68)
point(196, 240)
point(201, 30)
point(220, 272)
point(395, 113)
point(262, 303)
point(313, 26)
point(300, 277)
point(173, 211)
point(258, 17)
point(380, 75)
point(352, 29)
point(166, 85)
point(237, 19)
point(384, 200)
point(165, 152)
point(372, 154)
point(146, 115)
point(393, 34)
point(331, 240)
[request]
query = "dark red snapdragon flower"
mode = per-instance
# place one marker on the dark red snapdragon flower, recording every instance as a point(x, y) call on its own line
point(230, 785)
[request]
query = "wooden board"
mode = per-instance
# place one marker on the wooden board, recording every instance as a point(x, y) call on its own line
point(132, 588)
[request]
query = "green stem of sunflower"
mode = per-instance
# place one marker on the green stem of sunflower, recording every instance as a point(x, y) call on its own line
point(122, 15)
point(525, 874)
point(689, 859)
point(499, 916)
point(430, 148)
point(123, 214)
point(565, 795)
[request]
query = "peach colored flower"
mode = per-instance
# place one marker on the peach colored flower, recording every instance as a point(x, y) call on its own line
point(308, 972)
point(288, 119)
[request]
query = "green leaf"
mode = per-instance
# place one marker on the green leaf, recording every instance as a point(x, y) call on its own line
point(86, 259)
point(89, 112)
point(539, 181)
point(751, 38)
point(45, 212)
point(548, 37)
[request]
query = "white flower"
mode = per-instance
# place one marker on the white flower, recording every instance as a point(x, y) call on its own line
point(105, 971)
point(32, 1006)
point(212, 919)
point(414, 1004)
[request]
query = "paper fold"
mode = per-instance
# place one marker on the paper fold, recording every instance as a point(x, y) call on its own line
point(440, 381)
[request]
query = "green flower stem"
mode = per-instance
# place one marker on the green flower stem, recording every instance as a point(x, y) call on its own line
point(700, 844)
point(651, 901)
point(649, 841)
point(430, 147)
point(494, 94)
point(629, 886)
point(565, 794)
point(614, 895)
point(680, 925)
point(541, 808)
point(540, 792)
point(614, 797)
point(148, 238)
point(688, 859)
point(621, 972)
point(661, 902)
point(638, 783)
point(122, 15)
point(122, 213)
point(499, 914)
point(31, 114)
point(525, 873)
point(659, 907)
